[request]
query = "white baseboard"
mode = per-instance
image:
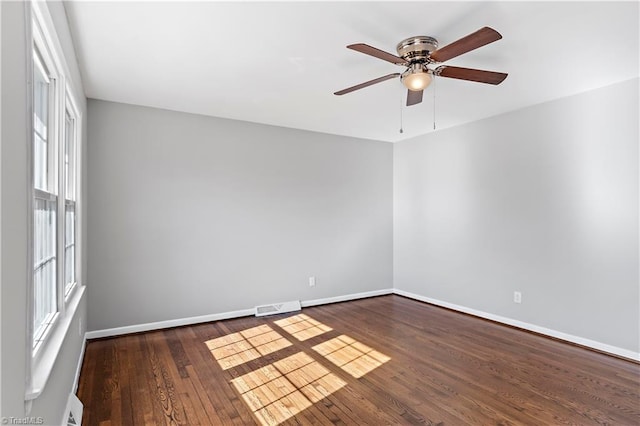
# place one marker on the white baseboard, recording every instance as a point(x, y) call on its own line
point(117, 331)
point(614, 350)
point(76, 379)
point(345, 298)
point(624, 353)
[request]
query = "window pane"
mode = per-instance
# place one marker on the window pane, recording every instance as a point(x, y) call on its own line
point(40, 124)
point(69, 157)
point(70, 246)
point(44, 269)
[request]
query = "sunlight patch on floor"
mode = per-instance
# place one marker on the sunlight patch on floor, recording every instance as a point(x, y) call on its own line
point(302, 326)
point(280, 390)
point(352, 356)
point(237, 348)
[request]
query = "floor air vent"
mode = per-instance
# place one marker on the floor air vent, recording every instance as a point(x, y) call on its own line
point(277, 308)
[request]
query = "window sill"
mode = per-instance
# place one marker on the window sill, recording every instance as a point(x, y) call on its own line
point(47, 355)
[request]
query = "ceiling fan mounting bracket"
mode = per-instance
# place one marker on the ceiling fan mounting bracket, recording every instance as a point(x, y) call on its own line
point(417, 48)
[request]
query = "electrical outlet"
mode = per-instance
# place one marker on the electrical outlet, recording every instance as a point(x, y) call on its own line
point(312, 281)
point(517, 297)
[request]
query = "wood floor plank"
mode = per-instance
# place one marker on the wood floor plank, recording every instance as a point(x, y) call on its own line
point(125, 361)
point(85, 387)
point(102, 387)
point(383, 360)
point(165, 393)
point(197, 370)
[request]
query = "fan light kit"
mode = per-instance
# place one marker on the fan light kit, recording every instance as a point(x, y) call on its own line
point(417, 53)
point(416, 78)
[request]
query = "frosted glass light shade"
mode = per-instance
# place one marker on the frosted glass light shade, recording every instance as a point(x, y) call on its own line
point(417, 81)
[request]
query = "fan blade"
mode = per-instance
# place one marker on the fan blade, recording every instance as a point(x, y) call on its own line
point(480, 76)
point(367, 83)
point(414, 97)
point(377, 53)
point(466, 44)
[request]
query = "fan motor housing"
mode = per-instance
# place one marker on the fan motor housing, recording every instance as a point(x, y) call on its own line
point(417, 48)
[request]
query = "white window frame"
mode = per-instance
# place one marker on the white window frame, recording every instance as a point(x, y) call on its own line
point(42, 59)
point(42, 36)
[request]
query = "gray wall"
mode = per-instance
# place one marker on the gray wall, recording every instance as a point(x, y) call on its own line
point(543, 200)
point(0, 213)
point(14, 208)
point(51, 403)
point(192, 215)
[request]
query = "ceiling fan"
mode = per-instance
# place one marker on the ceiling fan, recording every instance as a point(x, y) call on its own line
point(419, 52)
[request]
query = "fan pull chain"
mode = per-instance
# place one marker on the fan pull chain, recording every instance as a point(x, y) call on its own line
point(401, 99)
point(434, 102)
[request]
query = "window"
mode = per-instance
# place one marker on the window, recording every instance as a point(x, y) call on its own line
point(45, 253)
point(55, 208)
point(55, 183)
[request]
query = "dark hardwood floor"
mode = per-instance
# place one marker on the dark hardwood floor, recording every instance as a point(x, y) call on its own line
point(384, 360)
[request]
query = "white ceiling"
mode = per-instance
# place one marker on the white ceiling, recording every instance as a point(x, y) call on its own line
point(279, 63)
